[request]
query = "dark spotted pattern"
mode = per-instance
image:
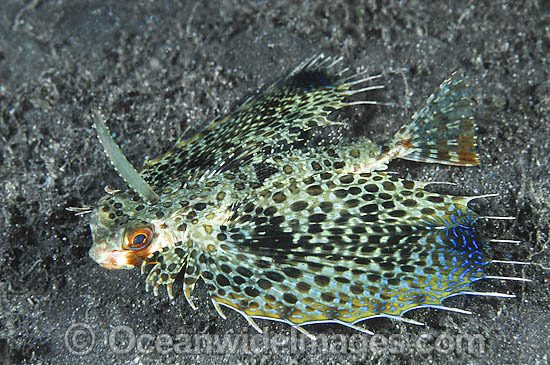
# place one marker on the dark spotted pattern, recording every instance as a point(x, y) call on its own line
point(279, 229)
point(294, 105)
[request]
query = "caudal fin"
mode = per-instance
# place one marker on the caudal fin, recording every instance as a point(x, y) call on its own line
point(443, 130)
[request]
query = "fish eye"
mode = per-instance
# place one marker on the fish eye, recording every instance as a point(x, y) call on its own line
point(139, 238)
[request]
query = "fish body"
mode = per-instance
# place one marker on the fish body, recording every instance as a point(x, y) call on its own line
point(279, 228)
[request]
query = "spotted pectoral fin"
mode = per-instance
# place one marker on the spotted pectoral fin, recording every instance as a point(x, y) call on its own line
point(443, 130)
point(344, 249)
point(165, 266)
point(274, 120)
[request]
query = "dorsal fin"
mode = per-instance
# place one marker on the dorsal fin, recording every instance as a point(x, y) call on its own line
point(121, 164)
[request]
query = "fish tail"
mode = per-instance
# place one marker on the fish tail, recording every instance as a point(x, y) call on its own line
point(443, 130)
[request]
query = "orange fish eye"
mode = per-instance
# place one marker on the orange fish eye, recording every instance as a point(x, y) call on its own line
point(139, 238)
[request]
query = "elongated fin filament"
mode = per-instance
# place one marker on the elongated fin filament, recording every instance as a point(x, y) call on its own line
point(121, 163)
point(511, 262)
point(498, 218)
point(363, 89)
point(410, 321)
point(451, 309)
point(306, 333)
point(515, 242)
point(489, 294)
point(349, 82)
point(187, 294)
point(507, 278)
point(218, 309)
point(470, 198)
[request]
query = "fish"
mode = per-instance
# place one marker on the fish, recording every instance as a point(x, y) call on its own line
point(282, 228)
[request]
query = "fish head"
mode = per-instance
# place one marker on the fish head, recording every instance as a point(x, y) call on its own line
point(125, 231)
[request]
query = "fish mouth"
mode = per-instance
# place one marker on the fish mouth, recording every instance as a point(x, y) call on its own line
point(110, 267)
point(100, 251)
point(112, 260)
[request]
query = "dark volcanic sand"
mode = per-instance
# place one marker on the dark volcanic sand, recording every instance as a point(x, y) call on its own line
point(157, 67)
